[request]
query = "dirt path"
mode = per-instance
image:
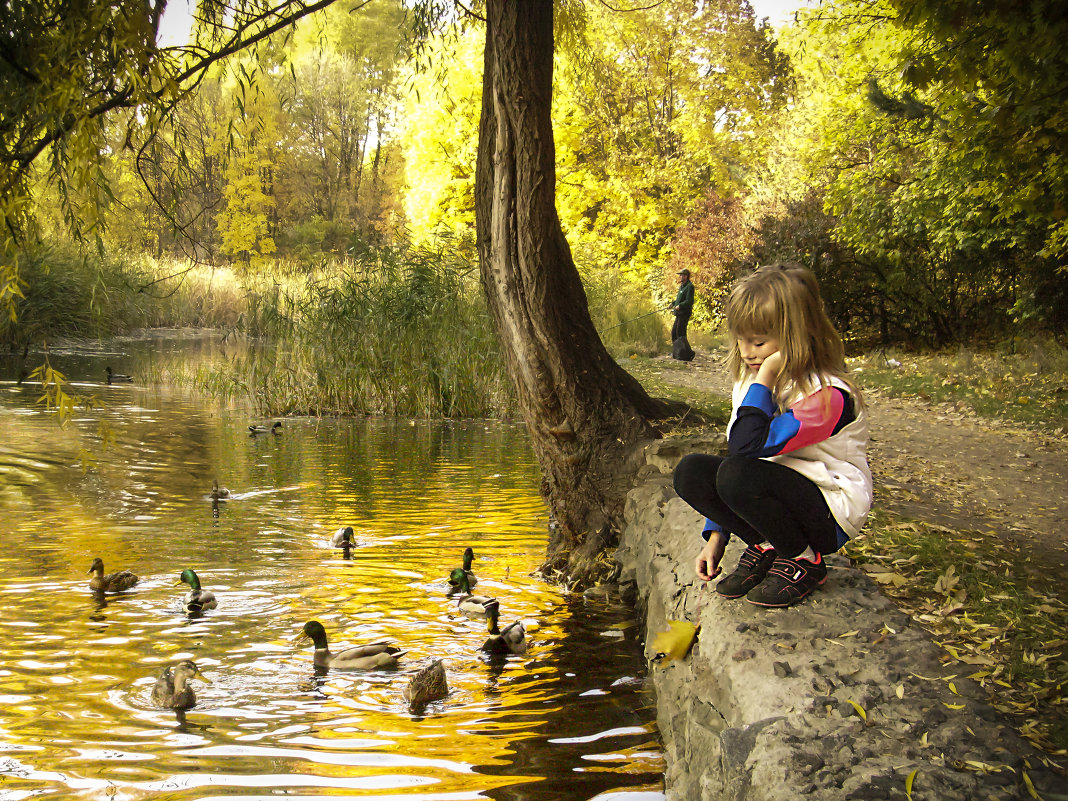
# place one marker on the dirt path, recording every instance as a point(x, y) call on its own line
point(952, 468)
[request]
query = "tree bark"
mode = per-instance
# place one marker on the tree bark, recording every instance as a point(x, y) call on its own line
point(586, 416)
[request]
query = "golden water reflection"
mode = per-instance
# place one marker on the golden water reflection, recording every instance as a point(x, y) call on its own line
point(568, 719)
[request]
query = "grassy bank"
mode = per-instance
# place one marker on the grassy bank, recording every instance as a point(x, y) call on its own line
point(999, 617)
point(1027, 383)
point(71, 293)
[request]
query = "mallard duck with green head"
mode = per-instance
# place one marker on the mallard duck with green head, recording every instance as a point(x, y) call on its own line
point(197, 599)
point(275, 428)
point(360, 657)
point(119, 581)
point(342, 537)
point(468, 604)
point(428, 684)
point(172, 690)
point(469, 557)
point(218, 493)
point(512, 640)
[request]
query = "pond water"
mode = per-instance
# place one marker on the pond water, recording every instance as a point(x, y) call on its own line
point(569, 719)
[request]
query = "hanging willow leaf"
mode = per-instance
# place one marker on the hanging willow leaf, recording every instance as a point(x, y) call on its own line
point(675, 642)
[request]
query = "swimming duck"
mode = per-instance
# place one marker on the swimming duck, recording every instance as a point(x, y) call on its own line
point(218, 493)
point(342, 537)
point(513, 640)
point(275, 428)
point(468, 604)
point(113, 582)
point(198, 599)
point(428, 684)
point(359, 657)
point(115, 378)
point(469, 557)
point(172, 689)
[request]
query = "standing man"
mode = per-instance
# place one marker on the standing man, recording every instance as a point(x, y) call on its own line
point(682, 308)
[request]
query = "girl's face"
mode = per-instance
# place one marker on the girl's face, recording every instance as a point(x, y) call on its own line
point(755, 348)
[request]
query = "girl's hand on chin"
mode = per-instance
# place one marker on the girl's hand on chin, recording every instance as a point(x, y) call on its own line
point(769, 369)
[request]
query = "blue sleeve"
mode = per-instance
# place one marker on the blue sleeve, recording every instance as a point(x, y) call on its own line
point(760, 430)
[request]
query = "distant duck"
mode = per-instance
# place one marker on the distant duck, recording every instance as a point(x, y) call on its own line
point(468, 604)
point(113, 582)
point(197, 600)
point(428, 684)
point(115, 378)
point(469, 557)
point(359, 657)
point(275, 428)
point(342, 537)
point(172, 690)
point(218, 493)
point(513, 640)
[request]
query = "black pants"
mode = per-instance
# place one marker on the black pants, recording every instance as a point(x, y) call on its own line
point(758, 500)
point(678, 328)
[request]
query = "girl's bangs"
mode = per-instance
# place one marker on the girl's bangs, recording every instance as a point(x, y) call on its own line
point(754, 315)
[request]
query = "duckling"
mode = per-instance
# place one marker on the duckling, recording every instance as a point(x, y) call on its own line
point(115, 378)
point(342, 537)
point(469, 556)
point(198, 599)
point(360, 657)
point(113, 582)
point(275, 428)
point(513, 640)
point(172, 690)
point(468, 604)
point(218, 493)
point(428, 684)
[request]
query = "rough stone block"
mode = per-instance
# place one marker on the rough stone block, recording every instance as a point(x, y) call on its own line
point(802, 702)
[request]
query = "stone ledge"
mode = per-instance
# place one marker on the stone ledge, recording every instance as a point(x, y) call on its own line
point(763, 706)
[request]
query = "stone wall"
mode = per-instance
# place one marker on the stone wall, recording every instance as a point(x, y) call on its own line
point(840, 697)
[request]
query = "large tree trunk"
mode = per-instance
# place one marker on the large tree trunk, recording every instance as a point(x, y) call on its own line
point(585, 414)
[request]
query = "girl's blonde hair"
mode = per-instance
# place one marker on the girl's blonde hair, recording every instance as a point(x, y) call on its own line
point(783, 301)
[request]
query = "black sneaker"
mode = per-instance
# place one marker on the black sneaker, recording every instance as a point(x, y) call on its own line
point(788, 581)
point(752, 568)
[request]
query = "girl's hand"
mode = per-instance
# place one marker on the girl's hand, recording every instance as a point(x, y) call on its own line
point(769, 369)
point(707, 565)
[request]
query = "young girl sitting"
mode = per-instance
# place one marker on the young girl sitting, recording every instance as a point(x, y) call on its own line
point(796, 483)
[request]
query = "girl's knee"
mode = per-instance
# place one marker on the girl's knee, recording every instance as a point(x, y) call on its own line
point(685, 473)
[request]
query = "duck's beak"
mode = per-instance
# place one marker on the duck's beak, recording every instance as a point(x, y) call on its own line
point(202, 677)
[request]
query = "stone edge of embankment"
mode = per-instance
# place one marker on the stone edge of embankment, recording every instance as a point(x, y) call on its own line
point(840, 697)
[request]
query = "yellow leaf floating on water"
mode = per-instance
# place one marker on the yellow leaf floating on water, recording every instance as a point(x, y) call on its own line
point(675, 642)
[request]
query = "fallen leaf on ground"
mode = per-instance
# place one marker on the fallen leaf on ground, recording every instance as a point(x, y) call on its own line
point(675, 642)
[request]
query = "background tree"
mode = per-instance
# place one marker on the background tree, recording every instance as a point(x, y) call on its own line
point(925, 133)
point(64, 71)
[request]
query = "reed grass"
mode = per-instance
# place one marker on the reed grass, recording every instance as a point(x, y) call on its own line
point(626, 319)
point(73, 293)
point(393, 331)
